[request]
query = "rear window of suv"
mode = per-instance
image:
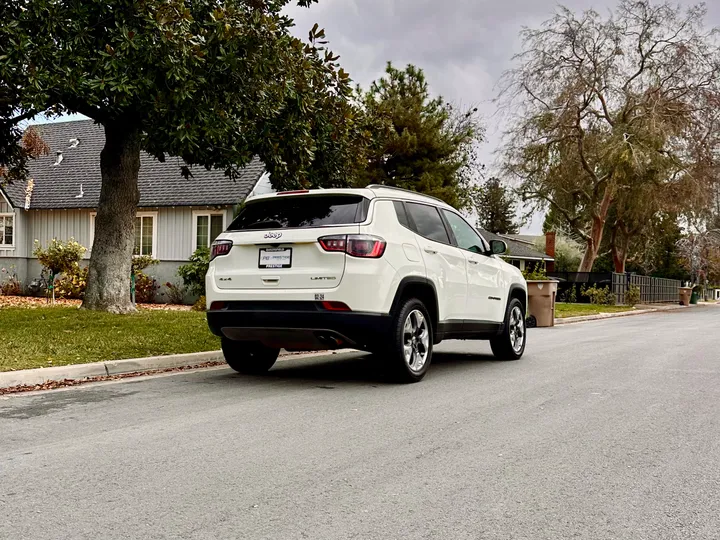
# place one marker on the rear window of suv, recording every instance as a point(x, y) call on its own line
point(296, 212)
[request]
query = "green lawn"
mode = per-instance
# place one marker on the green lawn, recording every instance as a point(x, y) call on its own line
point(56, 336)
point(576, 310)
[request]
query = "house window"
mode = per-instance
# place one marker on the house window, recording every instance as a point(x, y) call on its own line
point(144, 235)
point(6, 230)
point(208, 226)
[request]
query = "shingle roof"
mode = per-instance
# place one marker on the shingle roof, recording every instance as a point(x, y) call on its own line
point(516, 250)
point(161, 184)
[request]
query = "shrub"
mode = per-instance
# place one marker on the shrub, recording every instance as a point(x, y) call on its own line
point(193, 273)
point(59, 257)
point(175, 292)
point(146, 288)
point(72, 284)
point(599, 295)
point(200, 305)
point(569, 295)
point(141, 262)
point(632, 296)
point(537, 272)
point(9, 283)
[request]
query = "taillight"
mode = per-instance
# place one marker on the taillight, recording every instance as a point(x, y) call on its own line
point(220, 248)
point(357, 245)
point(295, 192)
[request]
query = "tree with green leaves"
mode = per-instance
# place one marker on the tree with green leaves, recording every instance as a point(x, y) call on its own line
point(494, 205)
point(604, 107)
point(420, 142)
point(214, 83)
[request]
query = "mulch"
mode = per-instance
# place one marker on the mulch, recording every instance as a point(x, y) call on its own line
point(32, 302)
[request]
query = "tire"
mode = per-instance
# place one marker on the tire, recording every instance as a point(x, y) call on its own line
point(247, 357)
point(505, 346)
point(410, 343)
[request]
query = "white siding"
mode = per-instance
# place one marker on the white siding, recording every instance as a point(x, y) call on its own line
point(44, 225)
point(174, 234)
point(5, 208)
point(175, 229)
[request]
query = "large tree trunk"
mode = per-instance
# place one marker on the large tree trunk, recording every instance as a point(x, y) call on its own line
point(619, 248)
point(596, 233)
point(108, 287)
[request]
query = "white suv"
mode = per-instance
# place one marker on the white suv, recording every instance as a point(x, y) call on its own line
point(378, 269)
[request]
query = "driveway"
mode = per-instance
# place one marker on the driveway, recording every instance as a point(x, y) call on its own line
point(605, 430)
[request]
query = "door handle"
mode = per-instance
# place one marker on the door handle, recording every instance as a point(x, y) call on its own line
point(430, 251)
point(473, 262)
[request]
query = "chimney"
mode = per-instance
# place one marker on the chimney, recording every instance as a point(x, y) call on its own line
point(550, 237)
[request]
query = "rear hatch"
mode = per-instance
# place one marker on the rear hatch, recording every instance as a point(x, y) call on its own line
point(275, 242)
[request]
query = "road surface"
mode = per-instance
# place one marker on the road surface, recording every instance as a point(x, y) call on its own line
point(604, 430)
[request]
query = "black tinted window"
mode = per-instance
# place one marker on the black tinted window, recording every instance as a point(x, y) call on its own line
point(296, 212)
point(428, 222)
point(401, 214)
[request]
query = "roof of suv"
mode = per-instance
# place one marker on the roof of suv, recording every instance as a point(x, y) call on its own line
point(370, 192)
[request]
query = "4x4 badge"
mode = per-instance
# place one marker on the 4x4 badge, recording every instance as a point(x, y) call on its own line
point(276, 235)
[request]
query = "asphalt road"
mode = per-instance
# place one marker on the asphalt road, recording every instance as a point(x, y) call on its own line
point(604, 430)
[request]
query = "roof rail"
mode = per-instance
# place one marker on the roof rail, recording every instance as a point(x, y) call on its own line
point(381, 186)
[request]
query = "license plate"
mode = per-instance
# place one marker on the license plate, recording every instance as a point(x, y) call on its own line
point(275, 258)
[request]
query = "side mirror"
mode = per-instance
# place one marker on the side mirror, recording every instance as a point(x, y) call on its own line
point(498, 247)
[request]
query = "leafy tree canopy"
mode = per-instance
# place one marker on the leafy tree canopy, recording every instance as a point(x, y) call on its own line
point(212, 82)
point(495, 207)
point(419, 142)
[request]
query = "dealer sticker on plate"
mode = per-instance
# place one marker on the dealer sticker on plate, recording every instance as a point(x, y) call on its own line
point(275, 258)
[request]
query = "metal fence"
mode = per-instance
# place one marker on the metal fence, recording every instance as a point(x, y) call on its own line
point(652, 290)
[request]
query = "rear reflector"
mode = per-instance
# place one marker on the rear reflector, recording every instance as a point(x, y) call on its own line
point(217, 305)
point(335, 306)
point(356, 245)
point(219, 248)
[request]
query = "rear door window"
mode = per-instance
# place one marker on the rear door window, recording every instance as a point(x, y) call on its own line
point(301, 212)
point(428, 222)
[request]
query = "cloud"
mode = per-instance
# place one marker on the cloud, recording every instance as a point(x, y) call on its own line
point(462, 45)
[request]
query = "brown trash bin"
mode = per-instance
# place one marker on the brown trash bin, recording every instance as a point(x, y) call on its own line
point(541, 299)
point(685, 294)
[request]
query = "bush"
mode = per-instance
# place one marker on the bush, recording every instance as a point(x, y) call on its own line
point(9, 283)
point(200, 305)
point(193, 273)
point(72, 284)
point(569, 296)
point(175, 292)
point(59, 257)
point(537, 272)
point(141, 262)
point(599, 295)
point(632, 296)
point(146, 289)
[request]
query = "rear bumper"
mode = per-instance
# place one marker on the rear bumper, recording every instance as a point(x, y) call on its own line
point(297, 325)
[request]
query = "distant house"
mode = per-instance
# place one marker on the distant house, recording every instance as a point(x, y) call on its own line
point(522, 252)
point(60, 198)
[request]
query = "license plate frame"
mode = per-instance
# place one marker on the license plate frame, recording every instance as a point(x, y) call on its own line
point(281, 264)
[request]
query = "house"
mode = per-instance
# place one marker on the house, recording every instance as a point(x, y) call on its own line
point(522, 252)
point(60, 198)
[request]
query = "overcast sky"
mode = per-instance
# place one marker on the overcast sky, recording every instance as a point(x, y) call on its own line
point(463, 45)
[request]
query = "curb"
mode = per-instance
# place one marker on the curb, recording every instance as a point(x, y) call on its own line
point(40, 376)
point(603, 316)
